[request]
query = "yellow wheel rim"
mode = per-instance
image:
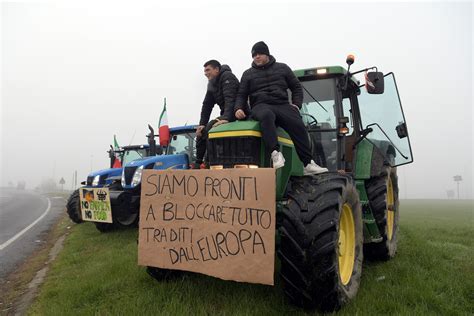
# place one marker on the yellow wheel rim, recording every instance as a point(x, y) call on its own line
point(346, 247)
point(390, 210)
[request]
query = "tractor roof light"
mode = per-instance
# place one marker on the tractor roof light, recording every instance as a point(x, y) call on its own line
point(322, 71)
point(350, 59)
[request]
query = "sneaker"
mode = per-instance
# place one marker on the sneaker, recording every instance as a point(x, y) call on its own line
point(195, 165)
point(313, 168)
point(277, 159)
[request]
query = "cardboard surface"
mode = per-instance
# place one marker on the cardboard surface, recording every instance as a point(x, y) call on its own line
point(95, 205)
point(216, 222)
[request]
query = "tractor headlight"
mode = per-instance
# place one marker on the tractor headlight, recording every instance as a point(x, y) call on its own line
point(137, 176)
point(96, 180)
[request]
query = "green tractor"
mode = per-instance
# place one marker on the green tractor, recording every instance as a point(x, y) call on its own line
point(327, 223)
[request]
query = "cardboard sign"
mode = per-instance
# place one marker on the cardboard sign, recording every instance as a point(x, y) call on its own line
point(95, 205)
point(216, 222)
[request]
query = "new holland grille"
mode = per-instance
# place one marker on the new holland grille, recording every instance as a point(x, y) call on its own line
point(89, 181)
point(230, 151)
point(129, 171)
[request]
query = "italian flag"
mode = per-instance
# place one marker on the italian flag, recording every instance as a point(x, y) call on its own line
point(117, 163)
point(163, 128)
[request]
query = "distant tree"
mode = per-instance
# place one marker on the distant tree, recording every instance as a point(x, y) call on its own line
point(48, 185)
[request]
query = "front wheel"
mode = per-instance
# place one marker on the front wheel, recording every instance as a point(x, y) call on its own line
point(321, 242)
point(104, 227)
point(73, 207)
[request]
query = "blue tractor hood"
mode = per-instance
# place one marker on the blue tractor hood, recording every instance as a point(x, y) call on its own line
point(105, 172)
point(106, 176)
point(179, 161)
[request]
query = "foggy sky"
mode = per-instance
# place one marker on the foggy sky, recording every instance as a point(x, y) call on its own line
point(75, 74)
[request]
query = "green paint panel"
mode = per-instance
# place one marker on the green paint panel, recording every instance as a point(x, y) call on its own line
point(293, 165)
point(363, 160)
point(371, 230)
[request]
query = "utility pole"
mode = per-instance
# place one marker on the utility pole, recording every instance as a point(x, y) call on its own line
point(457, 179)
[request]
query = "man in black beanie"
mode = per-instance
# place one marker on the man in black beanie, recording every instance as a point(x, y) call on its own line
point(266, 84)
point(221, 90)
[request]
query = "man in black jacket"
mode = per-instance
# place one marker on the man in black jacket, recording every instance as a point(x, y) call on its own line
point(265, 84)
point(221, 90)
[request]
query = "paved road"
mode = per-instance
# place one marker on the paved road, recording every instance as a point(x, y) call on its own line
point(25, 218)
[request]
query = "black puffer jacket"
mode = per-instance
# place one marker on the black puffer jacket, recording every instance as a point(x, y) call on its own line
point(223, 91)
point(268, 84)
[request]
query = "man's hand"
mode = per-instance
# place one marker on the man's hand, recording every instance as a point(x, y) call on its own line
point(220, 122)
point(199, 130)
point(295, 106)
point(240, 114)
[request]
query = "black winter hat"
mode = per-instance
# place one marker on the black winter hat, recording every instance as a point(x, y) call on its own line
point(260, 48)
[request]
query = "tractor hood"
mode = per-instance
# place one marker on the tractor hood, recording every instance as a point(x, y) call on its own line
point(105, 172)
point(104, 176)
point(179, 161)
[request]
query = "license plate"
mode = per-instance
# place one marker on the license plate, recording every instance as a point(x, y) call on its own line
point(95, 205)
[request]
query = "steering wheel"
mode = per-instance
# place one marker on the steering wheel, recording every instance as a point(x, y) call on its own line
point(314, 120)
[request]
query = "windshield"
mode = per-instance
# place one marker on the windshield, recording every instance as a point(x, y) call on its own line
point(183, 144)
point(319, 103)
point(131, 155)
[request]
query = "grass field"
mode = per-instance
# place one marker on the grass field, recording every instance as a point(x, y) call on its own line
point(433, 273)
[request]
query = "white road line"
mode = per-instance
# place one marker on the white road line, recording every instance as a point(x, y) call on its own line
point(9, 241)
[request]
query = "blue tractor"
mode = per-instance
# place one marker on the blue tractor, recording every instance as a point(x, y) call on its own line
point(108, 177)
point(125, 194)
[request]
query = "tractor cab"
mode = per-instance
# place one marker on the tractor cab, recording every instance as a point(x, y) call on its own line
point(343, 117)
point(183, 141)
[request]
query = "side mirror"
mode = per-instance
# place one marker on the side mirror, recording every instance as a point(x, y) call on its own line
point(374, 82)
point(401, 129)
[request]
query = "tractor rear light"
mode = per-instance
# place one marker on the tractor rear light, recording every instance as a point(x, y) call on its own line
point(216, 167)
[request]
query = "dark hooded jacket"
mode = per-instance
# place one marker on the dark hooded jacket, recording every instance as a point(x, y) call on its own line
point(268, 84)
point(223, 91)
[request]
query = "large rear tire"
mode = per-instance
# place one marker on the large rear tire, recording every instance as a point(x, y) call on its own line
point(382, 192)
point(321, 242)
point(73, 207)
point(160, 274)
